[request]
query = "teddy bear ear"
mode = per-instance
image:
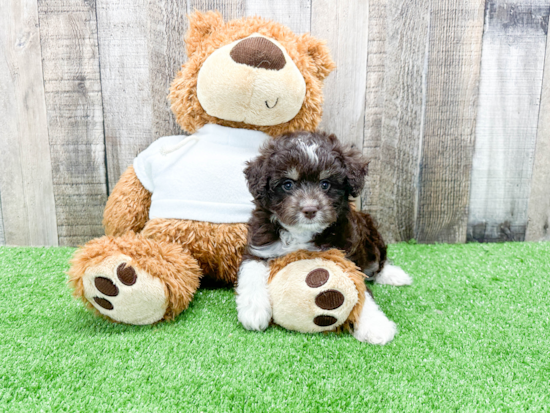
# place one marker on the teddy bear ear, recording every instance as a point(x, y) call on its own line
point(201, 25)
point(319, 54)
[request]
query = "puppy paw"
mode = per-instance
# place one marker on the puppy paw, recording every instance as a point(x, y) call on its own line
point(393, 275)
point(377, 330)
point(373, 326)
point(253, 304)
point(124, 293)
point(254, 316)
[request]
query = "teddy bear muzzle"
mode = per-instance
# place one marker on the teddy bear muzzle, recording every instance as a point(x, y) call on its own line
point(252, 80)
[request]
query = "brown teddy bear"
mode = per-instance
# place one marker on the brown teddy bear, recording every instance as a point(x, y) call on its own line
point(180, 212)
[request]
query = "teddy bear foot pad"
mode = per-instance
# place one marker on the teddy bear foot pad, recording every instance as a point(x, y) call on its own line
point(312, 296)
point(124, 293)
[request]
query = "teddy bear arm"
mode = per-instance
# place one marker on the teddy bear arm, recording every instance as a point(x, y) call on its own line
point(128, 206)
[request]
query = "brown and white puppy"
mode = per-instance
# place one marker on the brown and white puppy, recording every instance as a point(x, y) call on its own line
point(302, 183)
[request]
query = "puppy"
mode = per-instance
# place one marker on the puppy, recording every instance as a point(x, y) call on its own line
point(302, 183)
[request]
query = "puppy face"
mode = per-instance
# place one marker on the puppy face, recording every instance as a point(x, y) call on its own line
point(305, 179)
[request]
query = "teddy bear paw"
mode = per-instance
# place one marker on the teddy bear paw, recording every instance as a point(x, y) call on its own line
point(124, 293)
point(312, 296)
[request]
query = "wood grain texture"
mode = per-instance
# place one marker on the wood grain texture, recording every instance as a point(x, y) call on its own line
point(511, 77)
point(454, 54)
point(141, 48)
point(230, 9)
point(344, 25)
point(70, 63)
point(26, 186)
point(127, 101)
point(397, 126)
point(166, 53)
point(2, 236)
point(374, 107)
point(295, 14)
point(538, 215)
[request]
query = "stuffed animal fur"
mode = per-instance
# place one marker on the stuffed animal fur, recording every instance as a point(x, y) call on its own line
point(180, 212)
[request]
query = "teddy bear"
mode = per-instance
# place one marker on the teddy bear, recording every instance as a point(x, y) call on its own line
point(179, 213)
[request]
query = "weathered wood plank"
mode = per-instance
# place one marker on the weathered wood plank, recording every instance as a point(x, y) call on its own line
point(538, 223)
point(454, 54)
point(166, 53)
point(344, 25)
point(2, 237)
point(141, 48)
point(396, 126)
point(122, 37)
point(374, 108)
point(28, 206)
point(295, 14)
point(230, 9)
point(70, 61)
point(514, 45)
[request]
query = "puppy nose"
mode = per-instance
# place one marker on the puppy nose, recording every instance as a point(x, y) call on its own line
point(309, 212)
point(258, 52)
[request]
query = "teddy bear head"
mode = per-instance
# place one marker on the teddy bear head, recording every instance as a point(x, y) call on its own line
point(250, 73)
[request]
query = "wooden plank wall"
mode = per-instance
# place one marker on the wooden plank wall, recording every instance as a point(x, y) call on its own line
point(72, 86)
point(2, 236)
point(538, 223)
point(514, 45)
point(26, 184)
point(449, 99)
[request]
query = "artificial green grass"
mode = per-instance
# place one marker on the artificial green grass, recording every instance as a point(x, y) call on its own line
point(474, 334)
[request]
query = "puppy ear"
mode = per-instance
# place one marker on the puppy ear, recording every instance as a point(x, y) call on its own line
point(201, 26)
point(256, 177)
point(356, 169)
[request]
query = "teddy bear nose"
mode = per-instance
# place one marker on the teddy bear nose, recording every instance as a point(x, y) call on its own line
point(258, 52)
point(309, 212)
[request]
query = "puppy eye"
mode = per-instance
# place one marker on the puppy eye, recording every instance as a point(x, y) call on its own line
point(288, 184)
point(325, 185)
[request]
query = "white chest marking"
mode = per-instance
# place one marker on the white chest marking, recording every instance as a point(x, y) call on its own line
point(291, 240)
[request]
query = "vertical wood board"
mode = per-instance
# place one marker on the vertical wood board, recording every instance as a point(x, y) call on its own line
point(72, 86)
point(374, 107)
point(400, 133)
point(344, 25)
point(538, 224)
point(127, 101)
point(26, 186)
point(166, 53)
point(514, 45)
point(295, 14)
point(230, 9)
point(2, 237)
point(454, 55)
point(141, 49)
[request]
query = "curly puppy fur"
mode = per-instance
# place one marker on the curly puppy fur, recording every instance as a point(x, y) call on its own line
point(208, 32)
point(301, 184)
